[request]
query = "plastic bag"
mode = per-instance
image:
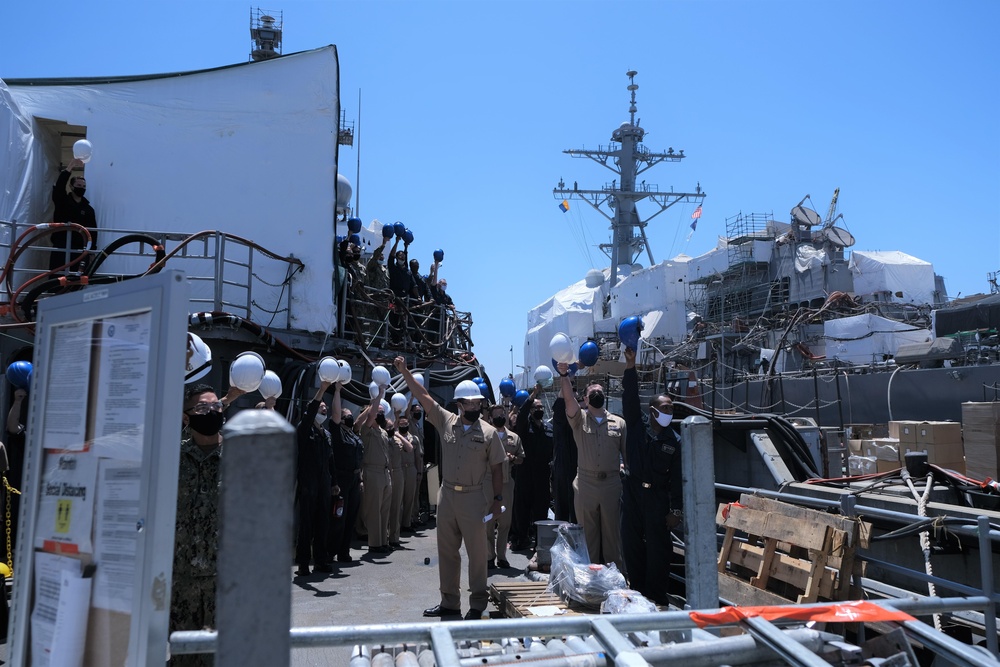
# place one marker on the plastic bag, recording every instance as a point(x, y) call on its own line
point(573, 577)
point(626, 601)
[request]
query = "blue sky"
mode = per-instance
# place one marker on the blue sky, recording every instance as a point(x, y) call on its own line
point(467, 106)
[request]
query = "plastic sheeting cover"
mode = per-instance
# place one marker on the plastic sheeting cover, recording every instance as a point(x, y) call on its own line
point(864, 339)
point(892, 272)
point(249, 149)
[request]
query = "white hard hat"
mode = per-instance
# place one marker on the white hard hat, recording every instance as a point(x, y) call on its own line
point(380, 374)
point(386, 409)
point(329, 370)
point(561, 348)
point(398, 402)
point(373, 389)
point(468, 390)
point(247, 371)
point(199, 359)
point(419, 377)
point(345, 371)
point(270, 386)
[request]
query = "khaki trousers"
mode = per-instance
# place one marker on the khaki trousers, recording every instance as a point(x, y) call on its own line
point(378, 495)
point(498, 530)
point(409, 496)
point(460, 518)
point(395, 504)
point(598, 510)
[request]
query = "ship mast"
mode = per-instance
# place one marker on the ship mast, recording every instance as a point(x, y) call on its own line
point(628, 158)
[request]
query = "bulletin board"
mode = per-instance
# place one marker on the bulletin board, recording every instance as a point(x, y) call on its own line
point(95, 541)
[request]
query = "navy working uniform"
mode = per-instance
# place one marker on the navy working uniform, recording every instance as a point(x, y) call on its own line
point(652, 490)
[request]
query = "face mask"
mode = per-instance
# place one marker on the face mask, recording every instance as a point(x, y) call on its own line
point(416, 415)
point(404, 429)
point(391, 431)
point(596, 400)
point(662, 418)
point(380, 419)
point(349, 422)
point(320, 419)
point(499, 421)
point(538, 414)
point(472, 415)
point(209, 423)
point(79, 191)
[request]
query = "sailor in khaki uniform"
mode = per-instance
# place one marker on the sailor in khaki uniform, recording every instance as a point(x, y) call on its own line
point(472, 456)
point(600, 441)
point(376, 473)
point(498, 529)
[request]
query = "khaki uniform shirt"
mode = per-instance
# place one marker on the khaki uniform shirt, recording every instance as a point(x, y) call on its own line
point(376, 444)
point(511, 445)
point(600, 447)
point(467, 454)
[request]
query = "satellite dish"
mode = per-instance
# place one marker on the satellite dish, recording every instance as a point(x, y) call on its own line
point(839, 237)
point(806, 216)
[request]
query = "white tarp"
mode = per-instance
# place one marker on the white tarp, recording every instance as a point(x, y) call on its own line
point(249, 149)
point(864, 339)
point(572, 311)
point(661, 289)
point(892, 272)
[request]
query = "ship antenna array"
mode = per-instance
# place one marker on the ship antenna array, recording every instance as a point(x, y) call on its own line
point(628, 158)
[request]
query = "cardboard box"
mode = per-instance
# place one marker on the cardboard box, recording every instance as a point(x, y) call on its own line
point(904, 431)
point(981, 435)
point(881, 449)
point(984, 460)
point(981, 414)
point(861, 465)
point(932, 433)
point(854, 446)
point(887, 466)
point(936, 454)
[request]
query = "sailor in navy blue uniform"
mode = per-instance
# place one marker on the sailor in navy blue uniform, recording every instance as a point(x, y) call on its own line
point(651, 496)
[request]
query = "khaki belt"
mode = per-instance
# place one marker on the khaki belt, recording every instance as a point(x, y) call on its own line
point(594, 474)
point(462, 487)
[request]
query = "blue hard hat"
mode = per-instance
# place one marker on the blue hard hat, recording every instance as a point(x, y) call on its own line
point(19, 374)
point(407, 235)
point(354, 224)
point(520, 398)
point(356, 239)
point(398, 228)
point(387, 231)
point(484, 389)
point(573, 367)
point(507, 388)
point(439, 255)
point(628, 331)
point(589, 352)
point(341, 238)
point(478, 379)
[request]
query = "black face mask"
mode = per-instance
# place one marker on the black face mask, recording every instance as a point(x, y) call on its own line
point(596, 400)
point(209, 423)
point(380, 420)
point(472, 415)
point(499, 421)
point(404, 429)
point(416, 415)
point(349, 422)
point(538, 414)
point(79, 191)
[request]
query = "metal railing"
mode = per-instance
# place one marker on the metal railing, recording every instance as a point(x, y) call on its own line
point(227, 273)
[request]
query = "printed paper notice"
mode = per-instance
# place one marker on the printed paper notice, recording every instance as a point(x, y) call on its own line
point(66, 505)
point(116, 535)
point(59, 615)
point(122, 377)
point(68, 388)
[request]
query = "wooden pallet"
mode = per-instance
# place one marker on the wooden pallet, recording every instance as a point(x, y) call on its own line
point(514, 599)
point(792, 553)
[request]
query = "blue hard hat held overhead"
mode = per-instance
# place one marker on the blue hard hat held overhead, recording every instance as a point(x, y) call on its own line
point(589, 352)
point(520, 398)
point(484, 389)
point(19, 374)
point(439, 255)
point(354, 224)
point(341, 238)
point(387, 231)
point(507, 388)
point(356, 239)
point(407, 236)
point(478, 380)
point(398, 228)
point(573, 367)
point(628, 331)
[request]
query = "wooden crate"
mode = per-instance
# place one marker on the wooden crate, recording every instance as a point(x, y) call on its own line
point(515, 598)
point(791, 554)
